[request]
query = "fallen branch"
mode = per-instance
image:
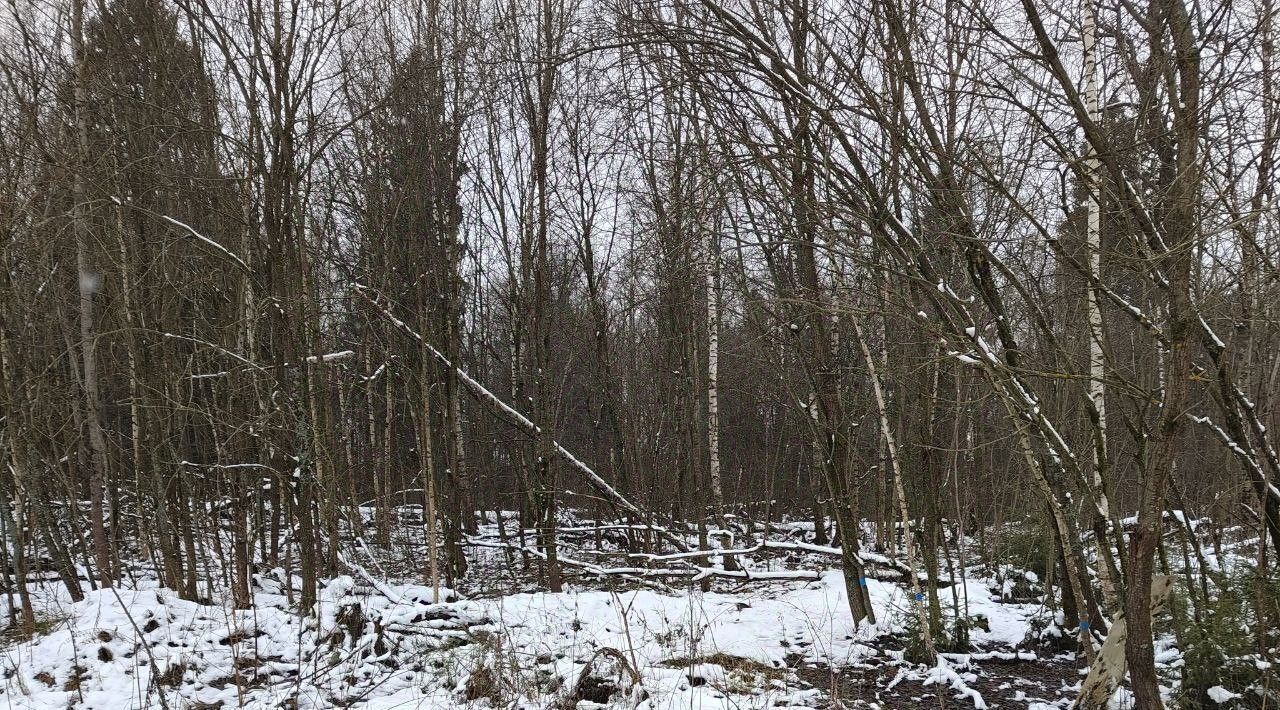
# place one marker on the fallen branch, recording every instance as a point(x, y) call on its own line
point(889, 570)
point(868, 558)
point(691, 572)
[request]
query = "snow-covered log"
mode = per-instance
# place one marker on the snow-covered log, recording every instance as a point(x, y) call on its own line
point(688, 570)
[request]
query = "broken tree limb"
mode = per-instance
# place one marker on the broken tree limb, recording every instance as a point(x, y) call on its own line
point(878, 566)
point(691, 572)
point(893, 570)
point(1108, 666)
point(513, 417)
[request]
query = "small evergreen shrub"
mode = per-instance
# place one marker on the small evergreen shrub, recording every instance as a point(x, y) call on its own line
point(1220, 651)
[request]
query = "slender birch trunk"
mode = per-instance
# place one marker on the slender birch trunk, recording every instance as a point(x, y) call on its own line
point(88, 281)
point(918, 603)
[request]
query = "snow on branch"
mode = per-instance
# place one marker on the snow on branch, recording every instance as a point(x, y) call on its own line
point(516, 419)
point(219, 348)
point(192, 231)
point(689, 571)
point(1246, 456)
point(216, 246)
point(331, 357)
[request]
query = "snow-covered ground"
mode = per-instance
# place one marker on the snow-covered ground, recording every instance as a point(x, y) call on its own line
point(391, 648)
point(613, 639)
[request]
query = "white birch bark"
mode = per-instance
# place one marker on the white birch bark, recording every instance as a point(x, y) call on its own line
point(891, 446)
point(713, 372)
point(1093, 244)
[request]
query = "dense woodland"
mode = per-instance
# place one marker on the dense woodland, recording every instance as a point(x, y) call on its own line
point(926, 268)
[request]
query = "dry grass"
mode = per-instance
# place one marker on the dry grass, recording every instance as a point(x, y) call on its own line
point(731, 663)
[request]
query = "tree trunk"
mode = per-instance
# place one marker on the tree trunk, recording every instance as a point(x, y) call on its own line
point(88, 281)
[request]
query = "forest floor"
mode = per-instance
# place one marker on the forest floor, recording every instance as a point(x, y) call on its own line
point(380, 642)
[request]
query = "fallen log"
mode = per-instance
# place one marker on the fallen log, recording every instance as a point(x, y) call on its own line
point(691, 572)
point(896, 571)
point(879, 567)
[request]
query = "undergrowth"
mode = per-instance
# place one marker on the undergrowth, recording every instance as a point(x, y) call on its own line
point(1227, 640)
